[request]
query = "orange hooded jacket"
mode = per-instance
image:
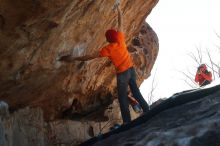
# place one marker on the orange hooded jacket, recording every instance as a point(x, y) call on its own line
point(118, 53)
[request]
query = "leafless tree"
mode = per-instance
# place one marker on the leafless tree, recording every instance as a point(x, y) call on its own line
point(189, 78)
point(211, 63)
point(153, 87)
point(197, 57)
point(200, 57)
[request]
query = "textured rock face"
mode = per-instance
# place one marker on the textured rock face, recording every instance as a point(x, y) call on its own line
point(34, 33)
point(23, 128)
point(193, 124)
point(26, 127)
point(73, 132)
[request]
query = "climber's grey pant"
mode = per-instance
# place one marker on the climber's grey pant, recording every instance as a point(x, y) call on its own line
point(124, 79)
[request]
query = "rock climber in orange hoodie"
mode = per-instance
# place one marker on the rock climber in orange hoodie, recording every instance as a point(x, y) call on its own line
point(117, 52)
point(203, 76)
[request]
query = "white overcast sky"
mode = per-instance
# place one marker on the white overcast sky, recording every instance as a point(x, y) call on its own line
point(181, 26)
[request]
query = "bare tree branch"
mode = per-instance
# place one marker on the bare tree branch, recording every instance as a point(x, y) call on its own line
point(216, 72)
point(190, 78)
point(153, 87)
point(198, 59)
point(194, 58)
point(217, 66)
point(199, 51)
point(217, 34)
point(192, 86)
point(217, 46)
point(210, 59)
point(190, 73)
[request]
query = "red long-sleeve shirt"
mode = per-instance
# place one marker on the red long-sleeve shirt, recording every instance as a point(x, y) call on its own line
point(201, 77)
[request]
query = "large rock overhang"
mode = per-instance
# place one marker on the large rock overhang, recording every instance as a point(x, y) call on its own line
point(34, 33)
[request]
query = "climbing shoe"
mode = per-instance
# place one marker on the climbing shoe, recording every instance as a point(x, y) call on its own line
point(116, 126)
point(137, 108)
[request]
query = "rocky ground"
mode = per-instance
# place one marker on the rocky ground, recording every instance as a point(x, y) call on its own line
point(195, 123)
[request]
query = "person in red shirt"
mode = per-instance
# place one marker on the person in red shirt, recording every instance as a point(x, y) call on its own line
point(203, 76)
point(117, 52)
